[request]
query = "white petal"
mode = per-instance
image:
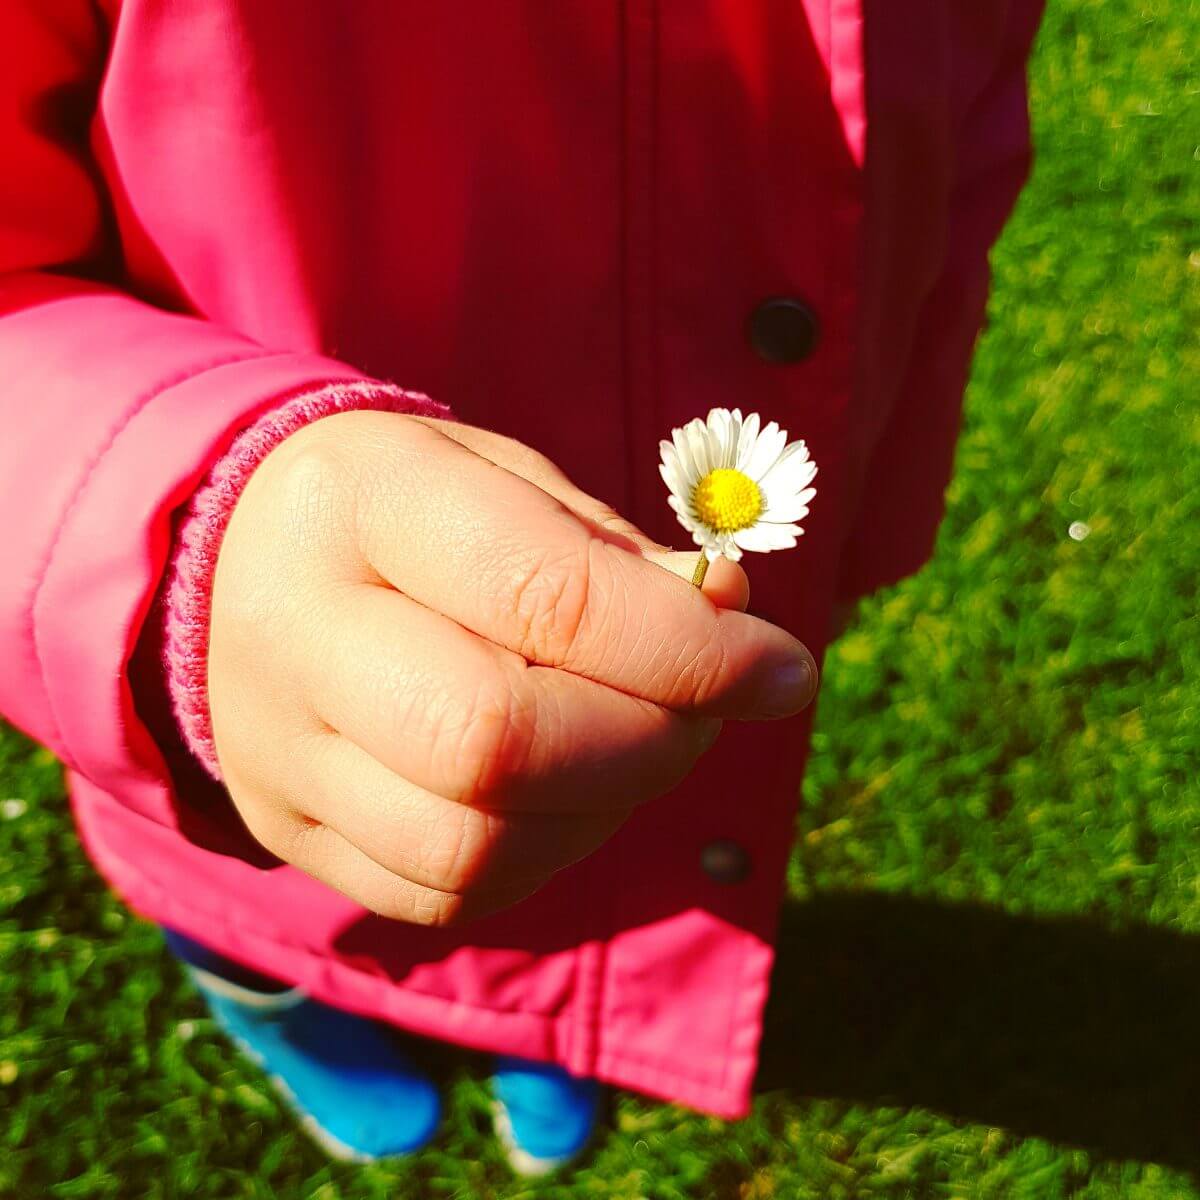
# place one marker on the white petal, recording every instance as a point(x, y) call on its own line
point(762, 538)
point(701, 535)
point(687, 465)
point(718, 418)
point(789, 476)
point(717, 430)
point(697, 436)
point(775, 493)
point(735, 439)
point(797, 450)
point(727, 547)
point(720, 424)
point(672, 477)
point(747, 440)
point(729, 442)
point(717, 435)
point(766, 454)
point(787, 508)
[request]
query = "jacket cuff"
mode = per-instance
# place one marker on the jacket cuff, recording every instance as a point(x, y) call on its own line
point(188, 583)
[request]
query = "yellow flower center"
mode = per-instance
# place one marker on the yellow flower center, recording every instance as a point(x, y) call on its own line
point(726, 500)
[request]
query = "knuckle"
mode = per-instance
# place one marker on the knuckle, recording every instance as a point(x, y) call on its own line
point(429, 907)
point(549, 605)
point(400, 899)
point(616, 526)
point(492, 745)
point(457, 851)
point(607, 517)
point(300, 839)
point(287, 834)
point(309, 485)
point(525, 460)
point(268, 564)
point(465, 738)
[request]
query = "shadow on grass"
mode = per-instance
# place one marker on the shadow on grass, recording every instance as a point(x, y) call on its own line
point(1054, 1028)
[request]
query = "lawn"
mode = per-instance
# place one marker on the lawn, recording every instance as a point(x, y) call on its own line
point(989, 980)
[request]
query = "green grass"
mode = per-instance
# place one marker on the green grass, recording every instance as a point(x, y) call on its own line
point(989, 979)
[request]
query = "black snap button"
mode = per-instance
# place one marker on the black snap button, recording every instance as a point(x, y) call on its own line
point(725, 861)
point(783, 330)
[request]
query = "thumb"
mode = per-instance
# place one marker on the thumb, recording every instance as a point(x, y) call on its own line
point(726, 584)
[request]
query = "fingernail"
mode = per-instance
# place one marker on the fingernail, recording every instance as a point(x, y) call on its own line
point(789, 688)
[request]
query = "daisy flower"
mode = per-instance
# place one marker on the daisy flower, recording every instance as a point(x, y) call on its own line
point(735, 486)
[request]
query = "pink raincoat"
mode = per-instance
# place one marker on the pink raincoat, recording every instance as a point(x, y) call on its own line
point(579, 223)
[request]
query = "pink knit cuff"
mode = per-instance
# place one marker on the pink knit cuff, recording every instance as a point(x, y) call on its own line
point(189, 578)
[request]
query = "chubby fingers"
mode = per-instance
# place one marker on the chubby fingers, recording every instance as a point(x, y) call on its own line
point(322, 851)
point(436, 842)
point(502, 558)
point(468, 721)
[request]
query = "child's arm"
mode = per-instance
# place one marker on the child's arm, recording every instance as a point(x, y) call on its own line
point(111, 411)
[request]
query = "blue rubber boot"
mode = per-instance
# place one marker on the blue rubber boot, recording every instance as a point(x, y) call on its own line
point(347, 1081)
point(543, 1116)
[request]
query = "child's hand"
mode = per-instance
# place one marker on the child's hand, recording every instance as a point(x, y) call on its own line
point(434, 682)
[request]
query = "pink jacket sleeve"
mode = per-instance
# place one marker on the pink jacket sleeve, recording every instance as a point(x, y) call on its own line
point(902, 502)
point(111, 413)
